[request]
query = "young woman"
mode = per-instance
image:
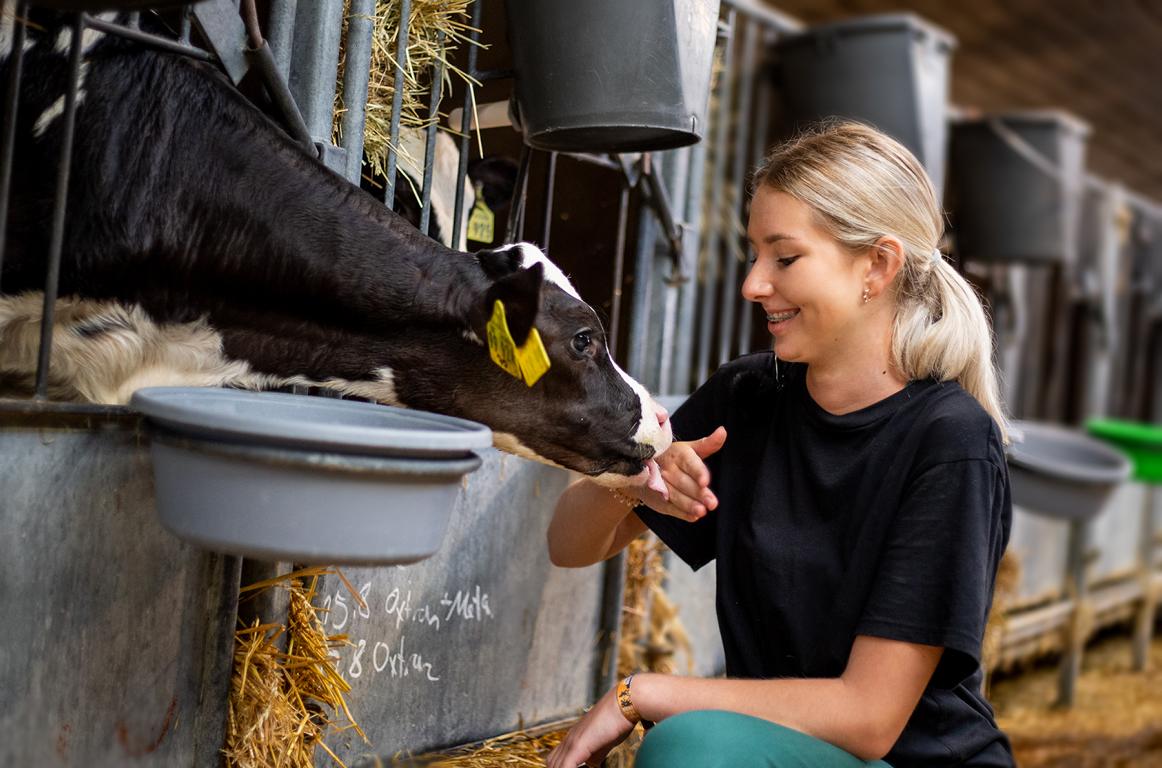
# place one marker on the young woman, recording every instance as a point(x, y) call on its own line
point(851, 489)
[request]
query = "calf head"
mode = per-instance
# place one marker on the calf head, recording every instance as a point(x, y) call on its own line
point(585, 413)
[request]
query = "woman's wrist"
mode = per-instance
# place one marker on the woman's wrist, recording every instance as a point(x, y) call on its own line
point(639, 696)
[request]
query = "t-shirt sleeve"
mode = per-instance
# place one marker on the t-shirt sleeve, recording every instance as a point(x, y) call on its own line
point(935, 578)
point(700, 415)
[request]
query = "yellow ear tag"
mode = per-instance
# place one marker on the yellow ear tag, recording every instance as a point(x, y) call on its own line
point(482, 221)
point(501, 347)
point(534, 360)
point(528, 362)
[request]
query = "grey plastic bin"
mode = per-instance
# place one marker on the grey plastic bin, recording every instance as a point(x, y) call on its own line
point(612, 75)
point(1016, 181)
point(890, 71)
point(309, 480)
point(1062, 473)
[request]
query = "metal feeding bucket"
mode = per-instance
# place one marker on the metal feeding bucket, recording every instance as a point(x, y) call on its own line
point(890, 71)
point(1017, 181)
point(307, 480)
point(612, 75)
point(1061, 473)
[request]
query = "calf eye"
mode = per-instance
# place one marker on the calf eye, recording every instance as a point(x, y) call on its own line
point(582, 342)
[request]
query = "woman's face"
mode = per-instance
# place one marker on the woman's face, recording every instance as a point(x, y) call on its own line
point(809, 286)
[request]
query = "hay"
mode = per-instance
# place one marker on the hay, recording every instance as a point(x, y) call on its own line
point(436, 28)
point(1116, 719)
point(518, 748)
point(651, 631)
point(281, 702)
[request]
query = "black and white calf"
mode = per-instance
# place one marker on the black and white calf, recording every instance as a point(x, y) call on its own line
point(204, 247)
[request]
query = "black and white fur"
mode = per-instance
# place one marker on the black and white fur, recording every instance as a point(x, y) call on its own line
point(203, 247)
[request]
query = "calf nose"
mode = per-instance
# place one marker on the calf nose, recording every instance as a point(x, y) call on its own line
point(662, 414)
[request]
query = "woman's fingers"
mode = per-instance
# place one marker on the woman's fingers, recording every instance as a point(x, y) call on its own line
point(710, 444)
point(683, 507)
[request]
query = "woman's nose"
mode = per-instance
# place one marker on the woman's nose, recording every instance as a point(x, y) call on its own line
point(756, 286)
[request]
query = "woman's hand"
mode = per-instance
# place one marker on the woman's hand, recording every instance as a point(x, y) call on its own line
point(687, 478)
point(588, 742)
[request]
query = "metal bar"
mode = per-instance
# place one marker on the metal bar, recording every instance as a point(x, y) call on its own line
point(608, 640)
point(437, 87)
point(184, 26)
point(714, 223)
point(1075, 635)
point(8, 135)
point(618, 270)
point(280, 33)
point(762, 111)
point(1144, 620)
point(154, 41)
point(599, 160)
point(356, 73)
point(465, 123)
point(643, 284)
point(318, 29)
point(678, 174)
point(688, 292)
point(401, 56)
point(550, 185)
point(769, 16)
point(730, 287)
point(515, 226)
point(263, 58)
point(56, 242)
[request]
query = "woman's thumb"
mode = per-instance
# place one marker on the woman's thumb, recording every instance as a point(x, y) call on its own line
point(710, 444)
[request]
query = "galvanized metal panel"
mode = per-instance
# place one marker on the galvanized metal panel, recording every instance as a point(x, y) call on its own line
point(117, 636)
point(1040, 545)
point(1117, 534)
point(484, 636)
point(693, 592)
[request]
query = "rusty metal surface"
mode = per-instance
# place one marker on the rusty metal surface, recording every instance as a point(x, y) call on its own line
point(116, 643)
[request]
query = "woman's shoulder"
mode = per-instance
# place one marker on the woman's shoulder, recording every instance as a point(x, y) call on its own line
point(951, 425)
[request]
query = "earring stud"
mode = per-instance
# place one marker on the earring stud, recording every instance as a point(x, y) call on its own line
point(866, 294)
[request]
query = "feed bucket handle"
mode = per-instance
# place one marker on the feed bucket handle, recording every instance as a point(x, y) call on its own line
point(1028, 152)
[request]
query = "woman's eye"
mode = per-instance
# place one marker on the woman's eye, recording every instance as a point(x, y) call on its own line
point(581, 342)
point(787, 261)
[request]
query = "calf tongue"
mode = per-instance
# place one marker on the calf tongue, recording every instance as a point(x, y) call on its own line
point(655, 481)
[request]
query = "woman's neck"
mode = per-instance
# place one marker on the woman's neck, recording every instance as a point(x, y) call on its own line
point(858, 377)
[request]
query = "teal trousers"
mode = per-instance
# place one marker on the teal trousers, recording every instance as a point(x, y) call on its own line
point(716, 739)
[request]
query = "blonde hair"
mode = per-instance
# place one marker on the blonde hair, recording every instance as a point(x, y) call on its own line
point(863, 185)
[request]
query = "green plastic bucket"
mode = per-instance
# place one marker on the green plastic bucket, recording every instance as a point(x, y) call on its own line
point(1141, 442)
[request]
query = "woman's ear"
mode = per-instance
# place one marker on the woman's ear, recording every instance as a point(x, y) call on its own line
point(886, 259)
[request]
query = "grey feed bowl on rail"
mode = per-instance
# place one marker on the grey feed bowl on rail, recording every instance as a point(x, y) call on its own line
point(310, 480)
point(1062, 473)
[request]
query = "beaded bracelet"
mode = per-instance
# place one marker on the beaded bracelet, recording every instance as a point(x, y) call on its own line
point(625, 703)
point(625, 499)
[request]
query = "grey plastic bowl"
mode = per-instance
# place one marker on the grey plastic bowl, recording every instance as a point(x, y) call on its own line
point(292, 478)
point(1062, 473)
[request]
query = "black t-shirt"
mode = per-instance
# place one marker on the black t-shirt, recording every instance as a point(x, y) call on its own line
point(889, 521)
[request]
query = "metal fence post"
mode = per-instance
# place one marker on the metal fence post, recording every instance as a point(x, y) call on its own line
point(356, 73)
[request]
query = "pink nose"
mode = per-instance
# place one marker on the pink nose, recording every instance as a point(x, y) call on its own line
point(663, 415)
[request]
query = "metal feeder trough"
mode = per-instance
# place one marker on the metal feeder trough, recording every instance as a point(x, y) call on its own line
point(307, 480)
point(1061, 473)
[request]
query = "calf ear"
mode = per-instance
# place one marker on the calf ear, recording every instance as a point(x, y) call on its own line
point(499, 262)
point(521, 294)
